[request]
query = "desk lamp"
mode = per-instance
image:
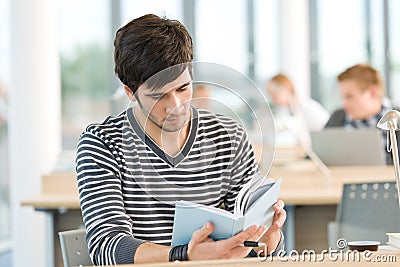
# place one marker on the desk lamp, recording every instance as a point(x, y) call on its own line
point(391, 122)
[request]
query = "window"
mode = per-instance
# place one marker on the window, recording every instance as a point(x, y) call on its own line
point(221, 33)
point(266, 40)
point(394, 52)
point(341, 42)
point(131, 9)
point(5, 214)
point(355, 30)
point(86, 65)
point(87, 72)
point(375, 44)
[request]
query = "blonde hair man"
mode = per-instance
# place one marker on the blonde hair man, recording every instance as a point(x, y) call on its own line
point(364, 102)
point(362, 90)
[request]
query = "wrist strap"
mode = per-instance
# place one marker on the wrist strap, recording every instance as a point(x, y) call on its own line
point(178, 253)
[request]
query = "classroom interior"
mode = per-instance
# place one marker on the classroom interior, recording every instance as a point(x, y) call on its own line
point(57, 76)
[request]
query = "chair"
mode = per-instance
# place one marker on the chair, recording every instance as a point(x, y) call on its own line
point(74, 248)
point(367, 211)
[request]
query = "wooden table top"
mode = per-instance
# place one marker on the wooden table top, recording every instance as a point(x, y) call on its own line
point(59, 191)
point(302, 184)
point(387, 258)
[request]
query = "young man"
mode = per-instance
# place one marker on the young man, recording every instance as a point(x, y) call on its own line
point(132, 167)
point(364, 101)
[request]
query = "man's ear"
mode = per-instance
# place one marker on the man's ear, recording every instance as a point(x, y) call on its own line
point(129, 93)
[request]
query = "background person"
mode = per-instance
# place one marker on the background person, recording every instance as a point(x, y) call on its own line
point(364, 102)
point(130, 177)
point(297, 115)
point(201, 97)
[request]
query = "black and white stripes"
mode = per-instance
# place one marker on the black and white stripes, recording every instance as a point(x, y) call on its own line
point(128, 186)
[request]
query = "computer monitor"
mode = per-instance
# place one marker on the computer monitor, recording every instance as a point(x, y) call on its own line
point(347, 147)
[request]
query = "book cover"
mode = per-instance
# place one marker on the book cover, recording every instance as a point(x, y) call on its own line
point(254, 205)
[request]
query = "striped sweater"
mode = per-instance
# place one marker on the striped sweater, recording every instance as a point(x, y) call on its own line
point(128, 185)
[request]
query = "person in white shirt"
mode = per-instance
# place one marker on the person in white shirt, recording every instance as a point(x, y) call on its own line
point(294, 114)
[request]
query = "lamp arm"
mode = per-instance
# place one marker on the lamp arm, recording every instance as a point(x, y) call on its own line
point(395, 156)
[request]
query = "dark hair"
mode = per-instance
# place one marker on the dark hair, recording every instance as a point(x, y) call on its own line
point(147, 45)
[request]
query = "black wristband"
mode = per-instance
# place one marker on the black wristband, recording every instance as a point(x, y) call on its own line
point(178, 253)
point(184, 254)
point(171, 253)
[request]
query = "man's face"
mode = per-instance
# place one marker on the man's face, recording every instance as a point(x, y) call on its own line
point(280, 94)
point(168, 107)
point(357, 102)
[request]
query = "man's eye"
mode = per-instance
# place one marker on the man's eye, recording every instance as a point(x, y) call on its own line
point(182, 89)
point(156, 97)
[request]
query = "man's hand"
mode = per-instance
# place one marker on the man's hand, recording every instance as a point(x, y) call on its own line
point(273, 234)
point(202, 247)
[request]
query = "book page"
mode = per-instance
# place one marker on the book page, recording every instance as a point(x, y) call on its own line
point(250, 192)
point(261, 211)
point(255, 195)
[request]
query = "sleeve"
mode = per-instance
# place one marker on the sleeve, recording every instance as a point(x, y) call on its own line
point(315, 115)
point(244, 167)
point(109, 229)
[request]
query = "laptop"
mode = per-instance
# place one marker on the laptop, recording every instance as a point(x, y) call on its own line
point(346, 147)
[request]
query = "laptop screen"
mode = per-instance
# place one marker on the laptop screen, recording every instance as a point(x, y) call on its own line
point(347, 147)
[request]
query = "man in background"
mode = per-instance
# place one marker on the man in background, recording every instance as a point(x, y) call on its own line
point(295, 116)
point(364, 102)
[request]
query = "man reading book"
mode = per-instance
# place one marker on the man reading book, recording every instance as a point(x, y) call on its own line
point(133, 167)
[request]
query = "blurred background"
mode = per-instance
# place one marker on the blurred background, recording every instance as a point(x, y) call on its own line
point(64, 47)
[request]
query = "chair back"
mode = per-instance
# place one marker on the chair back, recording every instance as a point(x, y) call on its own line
point(74, 248)
point(368, 211)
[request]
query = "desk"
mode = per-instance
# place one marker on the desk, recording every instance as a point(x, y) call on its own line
point(375, 259)
point(59, 200)
point(59, 191)
point(302, 184)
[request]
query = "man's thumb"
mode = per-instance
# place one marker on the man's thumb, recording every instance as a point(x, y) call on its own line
point(203, 232)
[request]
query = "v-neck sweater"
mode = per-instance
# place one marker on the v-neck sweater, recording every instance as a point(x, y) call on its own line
point(128, 186)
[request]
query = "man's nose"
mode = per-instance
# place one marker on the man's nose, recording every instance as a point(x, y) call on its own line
point(174, 105)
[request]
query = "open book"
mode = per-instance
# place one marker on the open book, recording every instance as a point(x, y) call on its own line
point(253, 205)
